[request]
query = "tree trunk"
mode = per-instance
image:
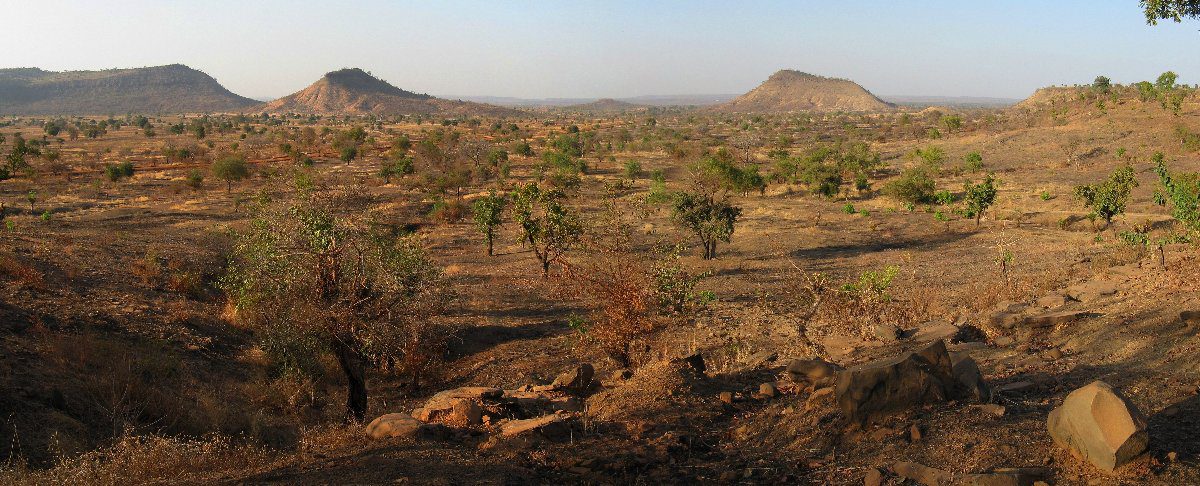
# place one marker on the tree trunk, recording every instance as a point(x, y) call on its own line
point(545, 267)
point(488, 237)
point(354, 366)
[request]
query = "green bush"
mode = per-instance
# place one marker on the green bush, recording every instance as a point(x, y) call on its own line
point(116, 172)
point(913, 186)
point(1108, 199)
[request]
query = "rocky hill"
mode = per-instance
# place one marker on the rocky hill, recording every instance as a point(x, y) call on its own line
point(788, 91)
point(161, 89)
point(355, 92)
point(604, 105)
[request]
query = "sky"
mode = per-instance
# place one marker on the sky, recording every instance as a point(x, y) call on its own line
point(612, 48)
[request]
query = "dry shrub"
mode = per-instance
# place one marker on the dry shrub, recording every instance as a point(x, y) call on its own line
point(146, 460)
point(858, 307)
point(618, 288)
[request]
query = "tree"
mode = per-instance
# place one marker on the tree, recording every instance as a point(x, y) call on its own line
point(1102, 84)
point(1182, 191)
point(230, 168)
point(712, 220)
point(487, 211)
point(1108, 199)
point(952, 122)
point(979, 197)
point(1166, 81)
point(549, 227)
point(310, 281)
point(348, 153)
point(1175, 10)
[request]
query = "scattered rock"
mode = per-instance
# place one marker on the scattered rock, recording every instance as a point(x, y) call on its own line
point(726, 397)
point(1092, 290)
point(1096, 423)
point(914, 433)
point(1020, 476)
point(992, 409)
point(393, 425)
point(555, 427)
point(759, 360)
point(1052, 300)
point(767, 390)
point(443, 402)
point(1003, 341)
point(575, 380)
point(1053, 354)
point(816, 372)
point(874, 477)
point(1053, 319)
point(874, 390)
point(818, 398)
point(466, 412)
point(922, 474)
point(966, 371)
point(1172, 456)
point(888, 333)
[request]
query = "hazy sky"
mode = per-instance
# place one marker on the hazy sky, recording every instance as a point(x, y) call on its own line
point(574, 48)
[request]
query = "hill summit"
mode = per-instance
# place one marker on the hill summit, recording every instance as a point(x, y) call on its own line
point(353, 91)
point(173, 88)
point(788, 91)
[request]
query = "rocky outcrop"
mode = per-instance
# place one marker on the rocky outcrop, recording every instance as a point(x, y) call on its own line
point(356, 92)
point(873, 391)
point(161, 89)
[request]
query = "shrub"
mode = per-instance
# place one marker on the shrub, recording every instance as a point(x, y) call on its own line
point(116, 172)
point(448, 210)
point(230, 168)
point(633, 170)
point(719, 172)
point(973, 162)
point(1108, 199)
point(487, 212)
point(979, 197)
point(711, 220)
point(312, 281)
point(1181, 191)
point(914, 186)
point(195, 179)
point(547, 225)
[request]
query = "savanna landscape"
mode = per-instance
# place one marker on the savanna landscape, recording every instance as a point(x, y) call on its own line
point(803, 284)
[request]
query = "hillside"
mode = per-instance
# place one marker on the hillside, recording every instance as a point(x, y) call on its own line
point(353, 91)
point(161, 89)
point(788, 91)
point(604, 105)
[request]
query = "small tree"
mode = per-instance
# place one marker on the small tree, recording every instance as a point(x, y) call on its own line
point(310, 280)
point(32, 197)
point(1181, 191)
point(1108, 199)
point(549, 227)
point(710, 219)
point(979, 197)
point(230, 168)
point(487, 214)
point(348, 153)
point(1102, 84)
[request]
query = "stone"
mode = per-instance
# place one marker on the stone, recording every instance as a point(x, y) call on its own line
point(759, 360)
point(393, 425)
point(1017, 476)
point(1053, 319)
point(466, 412)
point(914, 433)
point(443, 402)
point(767, 390)
point(874, 390)
point(575, 380)
point(816, 372)
point(1172, 456)
point(1003, 341)
point(887, 332)
point(818, 398)
point(555, 427)
point(1098, 424)
point(992, 409)
point(726, 397)
point(1092, 290)
point(1053, 354)
point(922, 474)
point(966, 371)
point(1016, 386)
point(873, 477)
point(1052, 300)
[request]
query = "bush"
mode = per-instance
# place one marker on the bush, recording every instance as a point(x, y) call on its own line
point(973, 162)
point(1108, 199)
point(116, 172)
point(711, 220)
point(1181, 191)
point(633, 170)
point(487, 212)
point(547, 226)
point(914, 186)
point(979, 197)
point(195, 179)
point(230, 168)
point(311, 279)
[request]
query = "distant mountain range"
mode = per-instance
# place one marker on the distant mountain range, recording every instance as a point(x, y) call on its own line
point(180, 89)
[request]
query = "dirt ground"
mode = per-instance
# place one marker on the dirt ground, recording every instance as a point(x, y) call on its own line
point(95, 345)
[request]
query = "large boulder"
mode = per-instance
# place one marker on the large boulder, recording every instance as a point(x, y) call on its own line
point(1099, 425)
point(443, 404)
point(816, 372)
point(575, 380)
point(869, 392)
point(393, 425)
